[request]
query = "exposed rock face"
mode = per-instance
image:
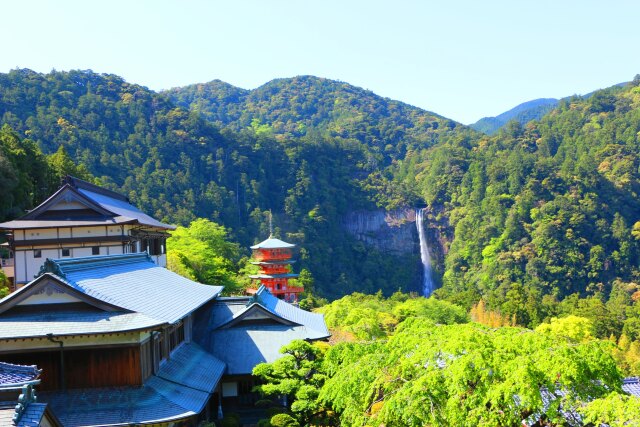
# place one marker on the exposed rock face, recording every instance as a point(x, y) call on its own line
point(393, 232)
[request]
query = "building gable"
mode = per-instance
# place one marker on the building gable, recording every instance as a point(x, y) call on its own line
point(49, 289)
point(256, 313)
point(68, 203)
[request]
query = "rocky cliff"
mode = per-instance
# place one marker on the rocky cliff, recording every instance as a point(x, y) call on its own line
point(393, 232)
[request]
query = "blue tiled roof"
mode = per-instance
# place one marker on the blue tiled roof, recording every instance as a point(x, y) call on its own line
point(180, 390)
point(134, 282)
point(632, 386)
point(32, 415)
point(190, 365)
point(123, 208)
point(314, 322)
point(121, 406)
point(11, 374)
point(72, 322)
point(243, 347)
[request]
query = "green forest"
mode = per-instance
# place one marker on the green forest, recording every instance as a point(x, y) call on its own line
point(537, 228)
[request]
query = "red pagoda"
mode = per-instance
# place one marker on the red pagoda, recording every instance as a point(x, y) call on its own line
point(274, 257)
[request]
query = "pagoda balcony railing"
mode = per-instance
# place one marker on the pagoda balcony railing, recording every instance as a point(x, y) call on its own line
point(266, 256)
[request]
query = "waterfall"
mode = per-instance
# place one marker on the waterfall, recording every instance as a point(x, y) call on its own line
point(427, 281)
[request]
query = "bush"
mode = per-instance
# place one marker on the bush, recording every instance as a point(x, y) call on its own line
point(284, 420)
point(231, 420)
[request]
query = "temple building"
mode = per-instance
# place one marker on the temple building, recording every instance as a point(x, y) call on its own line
point(274, 258)
point(80, 219)
point(109, 336)
point(113, 336)
point(245, 331)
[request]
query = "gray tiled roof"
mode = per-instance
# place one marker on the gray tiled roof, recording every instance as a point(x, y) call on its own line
point(226, 309)
point(243, 347)
point(114, 209)
point(115, 406)
point(181, 389)
point(632, 386)
point(71, 322)
point(134, 282)
point(190, 365)
point(11, 374)
point(272, 243)
point(123, 209)
point(313, 322)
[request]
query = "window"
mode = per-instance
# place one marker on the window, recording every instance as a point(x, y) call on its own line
point(37, 253)
point(95, 250)
point(176, 336)
point(66, 252)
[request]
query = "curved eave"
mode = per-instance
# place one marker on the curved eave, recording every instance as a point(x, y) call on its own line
point(274, 276)
point(87, 334)
point(289, 261)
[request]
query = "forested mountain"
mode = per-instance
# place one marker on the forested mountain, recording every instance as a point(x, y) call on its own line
point(523, 113)
point(179, 166)
point(306, 105)
point(526, 218)
point(543, 213)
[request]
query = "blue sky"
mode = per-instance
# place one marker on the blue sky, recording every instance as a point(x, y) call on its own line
point(461, 59)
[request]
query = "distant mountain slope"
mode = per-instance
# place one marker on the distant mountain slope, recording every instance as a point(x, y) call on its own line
point(176, 165)
point(298, 106)
point(523, 113)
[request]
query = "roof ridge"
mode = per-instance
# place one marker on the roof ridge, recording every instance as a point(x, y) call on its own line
point(30, 369)
point(86, 185)
point(67, 265)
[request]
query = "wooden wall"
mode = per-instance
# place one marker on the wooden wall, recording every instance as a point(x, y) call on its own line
point(107, 367)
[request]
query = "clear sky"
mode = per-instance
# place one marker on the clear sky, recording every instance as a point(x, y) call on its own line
point(461, 59)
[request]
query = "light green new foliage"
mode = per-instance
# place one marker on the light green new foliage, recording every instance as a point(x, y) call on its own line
point(467, 375)
point(578, 329)
point(370, 317)
point(201, 252)
point(616, 410)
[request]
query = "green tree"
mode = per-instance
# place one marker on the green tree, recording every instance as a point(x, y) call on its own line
point(468, 375)
point(202, 253)
point(297, 376)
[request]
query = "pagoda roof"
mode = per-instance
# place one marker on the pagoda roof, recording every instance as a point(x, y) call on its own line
point(274, 276)
point(273, 243)
point(284, 261)
point(94, 206)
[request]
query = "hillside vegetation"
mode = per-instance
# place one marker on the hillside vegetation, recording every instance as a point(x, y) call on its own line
point(178, 166)
point(528, 218)
point(545, 212)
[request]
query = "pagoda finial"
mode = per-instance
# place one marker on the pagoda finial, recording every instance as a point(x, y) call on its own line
point(270, 224)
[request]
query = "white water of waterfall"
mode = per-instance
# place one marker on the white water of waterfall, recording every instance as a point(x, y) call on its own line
point(427, 281)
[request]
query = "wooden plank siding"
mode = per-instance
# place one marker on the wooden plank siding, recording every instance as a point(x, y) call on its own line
point(108, 367)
